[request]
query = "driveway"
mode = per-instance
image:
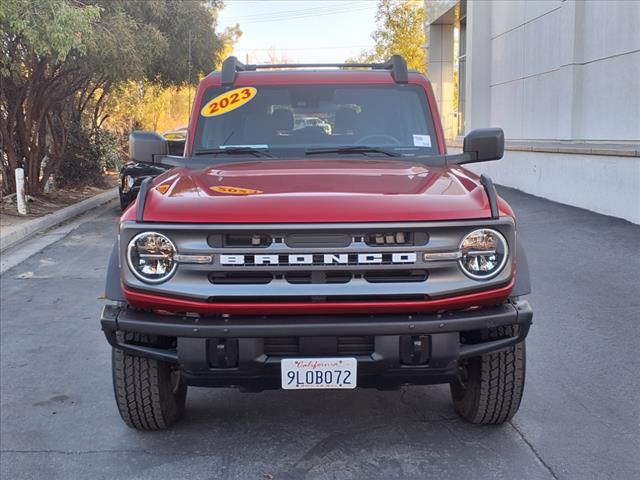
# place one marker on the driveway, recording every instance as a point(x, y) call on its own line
point(579, 418)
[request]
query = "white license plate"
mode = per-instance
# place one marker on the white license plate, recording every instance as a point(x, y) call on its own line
point(301, 373)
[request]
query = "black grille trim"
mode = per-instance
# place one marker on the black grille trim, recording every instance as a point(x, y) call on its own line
point(290, 346)
point(317, 299)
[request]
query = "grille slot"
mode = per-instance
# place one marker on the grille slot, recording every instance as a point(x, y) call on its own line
point(318, 277)
point(317, 298)
point(281, 346)
point(396, 238)
point(361, 345)
point(240, 278)
point(290, 346)
point(394, 276)
point(240, 240)
point(317, 240)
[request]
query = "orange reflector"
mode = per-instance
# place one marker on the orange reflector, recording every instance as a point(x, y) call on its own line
point(162, 188)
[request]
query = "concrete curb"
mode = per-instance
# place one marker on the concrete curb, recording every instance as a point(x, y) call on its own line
point(12, 235)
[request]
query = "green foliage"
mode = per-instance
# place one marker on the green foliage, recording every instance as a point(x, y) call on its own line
point(147, 106)
point(61, 59)
point(49, 27)
point(149, 39)
point(400, 30)
point(121, 46)
point(182, 22)
point(87, 155)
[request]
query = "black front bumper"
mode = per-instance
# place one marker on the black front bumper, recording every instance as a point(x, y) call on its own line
point(238, 351)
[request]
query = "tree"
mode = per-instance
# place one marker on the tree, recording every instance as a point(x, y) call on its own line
point(60, 60)
point(40, 44)
point(400, 30)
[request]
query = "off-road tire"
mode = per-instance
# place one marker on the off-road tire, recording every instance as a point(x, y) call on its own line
point(150, 394)
point(490, 388)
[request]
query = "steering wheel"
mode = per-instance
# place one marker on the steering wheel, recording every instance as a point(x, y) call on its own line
point(386, 139)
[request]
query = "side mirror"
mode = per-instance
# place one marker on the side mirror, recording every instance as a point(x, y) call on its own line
point(484, 144)
point(144, 146)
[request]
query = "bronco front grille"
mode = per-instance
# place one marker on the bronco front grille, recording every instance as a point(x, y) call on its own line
point(271, 263)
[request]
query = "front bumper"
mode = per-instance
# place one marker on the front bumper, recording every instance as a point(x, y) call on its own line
point(228, 350)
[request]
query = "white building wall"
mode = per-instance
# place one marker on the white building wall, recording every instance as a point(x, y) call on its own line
point(605, 184)
point(559, 71)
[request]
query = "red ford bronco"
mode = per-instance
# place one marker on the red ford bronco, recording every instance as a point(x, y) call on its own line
point(348, 251)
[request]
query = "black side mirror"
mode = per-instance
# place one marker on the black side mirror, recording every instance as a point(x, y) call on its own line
point(484, 144)
point(144, 146)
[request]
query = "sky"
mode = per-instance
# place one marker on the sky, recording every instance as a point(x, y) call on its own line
point(299, 31)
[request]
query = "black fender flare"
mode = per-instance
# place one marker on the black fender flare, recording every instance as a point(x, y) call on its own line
point(523, 280)
point(113, 287)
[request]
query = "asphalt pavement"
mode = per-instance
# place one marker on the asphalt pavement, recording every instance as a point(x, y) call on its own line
point(580, 417)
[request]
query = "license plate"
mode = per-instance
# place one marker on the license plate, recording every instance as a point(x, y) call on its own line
point(302, 373)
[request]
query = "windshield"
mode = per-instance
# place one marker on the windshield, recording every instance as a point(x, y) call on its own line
point(289, 120)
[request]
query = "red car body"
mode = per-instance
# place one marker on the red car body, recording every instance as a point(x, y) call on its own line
point(321, 190)
point(296, 261)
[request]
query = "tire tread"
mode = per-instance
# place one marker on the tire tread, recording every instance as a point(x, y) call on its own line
point(138, 389)
point(494, 391)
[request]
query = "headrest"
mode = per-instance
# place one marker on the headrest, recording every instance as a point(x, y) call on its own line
point(282, 119)
point(346, 119)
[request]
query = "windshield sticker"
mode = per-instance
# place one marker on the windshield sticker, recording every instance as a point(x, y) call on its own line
point(235, 190)
point(228, 101)
point(422, 140)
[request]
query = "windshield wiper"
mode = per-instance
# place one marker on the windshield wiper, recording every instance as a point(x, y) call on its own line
point(352, 149)
point(236, 151)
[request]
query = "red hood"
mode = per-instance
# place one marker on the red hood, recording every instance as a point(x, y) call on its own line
point(294, 191)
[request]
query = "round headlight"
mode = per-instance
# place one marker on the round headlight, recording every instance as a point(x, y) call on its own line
point(484, 254)
point(150, 257)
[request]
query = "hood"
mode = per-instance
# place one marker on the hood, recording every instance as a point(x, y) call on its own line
point(306, 191)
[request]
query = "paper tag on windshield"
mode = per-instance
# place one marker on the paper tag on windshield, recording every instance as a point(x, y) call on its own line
point(422, 140)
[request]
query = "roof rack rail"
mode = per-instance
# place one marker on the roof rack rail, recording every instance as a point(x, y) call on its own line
point(396, 64)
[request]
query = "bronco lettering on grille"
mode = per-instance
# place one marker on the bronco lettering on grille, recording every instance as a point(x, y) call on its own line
point(320, 259)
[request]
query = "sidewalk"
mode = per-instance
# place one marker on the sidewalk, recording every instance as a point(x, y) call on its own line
point(12, 235)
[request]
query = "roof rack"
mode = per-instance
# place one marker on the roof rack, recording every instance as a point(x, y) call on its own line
point(396, 64)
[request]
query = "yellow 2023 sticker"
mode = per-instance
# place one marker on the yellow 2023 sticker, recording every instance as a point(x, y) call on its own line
point(235, 190)
point(228, 101)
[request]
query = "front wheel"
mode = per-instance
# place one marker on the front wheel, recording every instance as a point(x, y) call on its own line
point(150, 394)
point(490, 386)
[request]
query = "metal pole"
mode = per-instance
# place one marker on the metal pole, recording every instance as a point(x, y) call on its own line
point(189, 74)
point(21, 196)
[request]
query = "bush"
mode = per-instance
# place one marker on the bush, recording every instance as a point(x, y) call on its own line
point(87, 155)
